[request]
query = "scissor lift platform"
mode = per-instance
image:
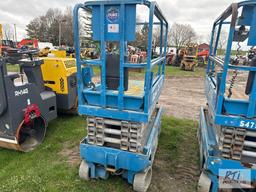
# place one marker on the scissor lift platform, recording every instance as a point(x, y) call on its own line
point(227, 129)
point(123, 120)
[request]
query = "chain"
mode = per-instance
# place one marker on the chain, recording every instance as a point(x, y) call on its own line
point(235, 72)
point(232, 83)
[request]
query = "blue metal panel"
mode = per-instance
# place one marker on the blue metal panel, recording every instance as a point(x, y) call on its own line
point(131, 115)
point(114, 23)
point(113, 157)
point(96, 22)
point(87, 74)
point(103, 56)
point(130, 20)
point(214, 164)
point(122, 53)
point(247, 15)
point(252, 38)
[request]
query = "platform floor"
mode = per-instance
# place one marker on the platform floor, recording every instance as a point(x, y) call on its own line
point(135, 88)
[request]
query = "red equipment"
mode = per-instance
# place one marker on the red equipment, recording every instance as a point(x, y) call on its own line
point(24, 42)
point(203, 53)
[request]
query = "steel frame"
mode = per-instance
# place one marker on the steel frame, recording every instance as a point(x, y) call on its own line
point(240, 110)
point(224, 111)
point(131, 163)
point(121, 106)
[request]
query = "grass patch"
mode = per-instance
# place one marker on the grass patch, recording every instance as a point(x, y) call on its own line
point(170, 72)
point(45, 169)
point(13, 68)
point(178, 148)
point(177, 72)
point(176, 136)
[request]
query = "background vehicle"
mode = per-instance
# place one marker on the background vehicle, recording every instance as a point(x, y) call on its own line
point(189, 60)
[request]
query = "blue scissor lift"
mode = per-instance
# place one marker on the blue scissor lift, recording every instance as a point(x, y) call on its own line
point(227, 131)
point(123, 119)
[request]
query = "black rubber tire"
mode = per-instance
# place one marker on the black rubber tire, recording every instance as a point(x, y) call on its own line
point(193, 68)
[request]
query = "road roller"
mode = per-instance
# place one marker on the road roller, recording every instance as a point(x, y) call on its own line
point(26, 106)
point(59, 75)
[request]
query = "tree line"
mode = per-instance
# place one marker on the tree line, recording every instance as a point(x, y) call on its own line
point(46, 29)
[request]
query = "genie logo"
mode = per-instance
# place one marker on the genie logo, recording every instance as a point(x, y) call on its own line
point(113, 15)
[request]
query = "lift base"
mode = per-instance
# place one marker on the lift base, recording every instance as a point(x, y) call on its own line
point(100, 161)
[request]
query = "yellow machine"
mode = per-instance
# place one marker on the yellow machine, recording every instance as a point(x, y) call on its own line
point(59, 75)
point(59, 53)
point(44, 52)
point(189, 61)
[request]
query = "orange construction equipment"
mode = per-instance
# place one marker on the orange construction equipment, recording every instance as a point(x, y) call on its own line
point(202, 57)
point(28, 42)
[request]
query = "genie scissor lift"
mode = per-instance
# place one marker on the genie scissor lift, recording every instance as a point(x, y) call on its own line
point(227, 131)
point(123, 120)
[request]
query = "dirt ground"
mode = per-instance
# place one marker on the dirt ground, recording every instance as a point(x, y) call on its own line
point(183, 96)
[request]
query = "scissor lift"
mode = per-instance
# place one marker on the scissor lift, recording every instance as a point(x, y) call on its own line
point(227, 131)
point(123, 120)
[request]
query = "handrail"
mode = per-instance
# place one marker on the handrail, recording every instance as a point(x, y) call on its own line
point(128, 65)
point(91, 62)
point(156, 61)
point(235, 67)
point(154, 11)
point(231, 10)
point(91, 3)
point(242, 68)
point(217, 60)
point(135, 65)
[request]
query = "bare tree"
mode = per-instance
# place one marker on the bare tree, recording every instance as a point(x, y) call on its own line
point(181, 34)
point(222, 41)
point(8, 33)
point(156, 36)
point(200, 39)
point(46, 28)
point(67, 32)
point(141, 38)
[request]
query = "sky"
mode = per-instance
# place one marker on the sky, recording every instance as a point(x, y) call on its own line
point(200, 14)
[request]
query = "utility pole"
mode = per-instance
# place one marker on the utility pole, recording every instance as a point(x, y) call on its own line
point(61, 21)
point(15, 33)
point(1, 38)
